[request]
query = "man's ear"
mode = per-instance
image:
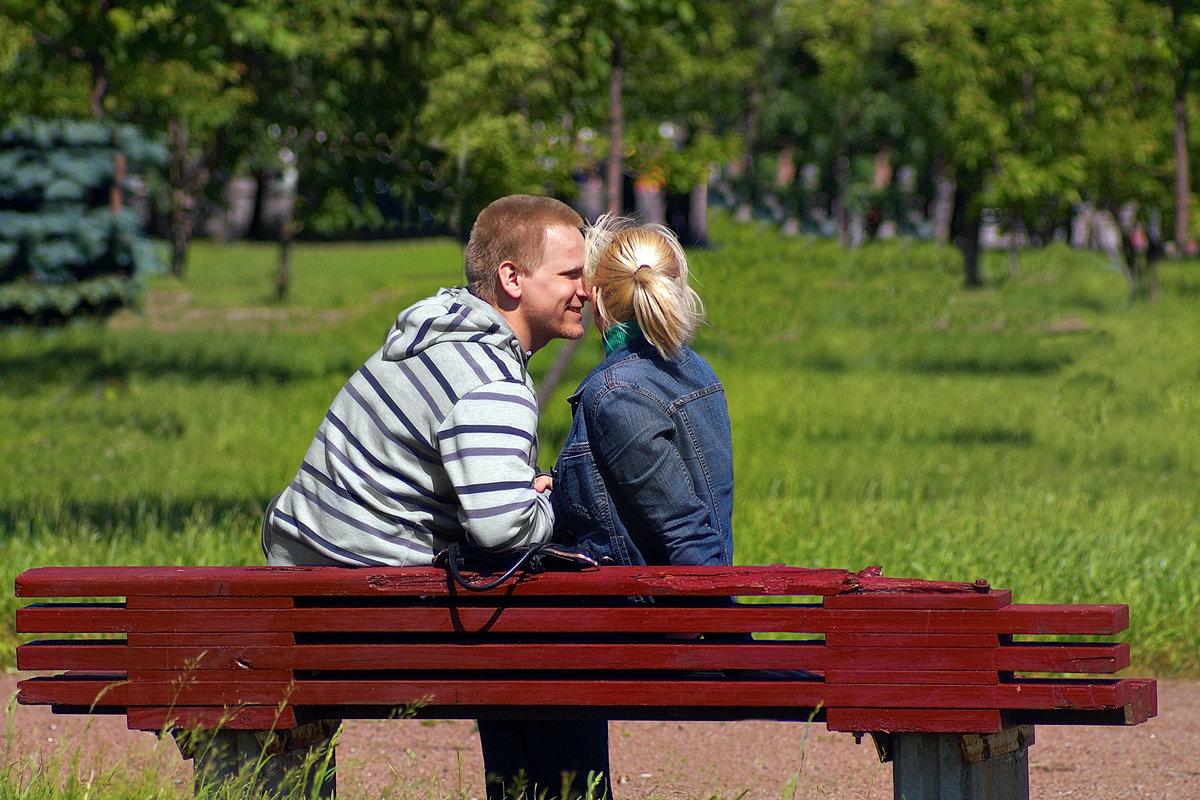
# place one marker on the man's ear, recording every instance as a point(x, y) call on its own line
point(508, 280)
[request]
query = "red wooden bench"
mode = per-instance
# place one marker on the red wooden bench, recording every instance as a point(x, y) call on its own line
point(949, 678)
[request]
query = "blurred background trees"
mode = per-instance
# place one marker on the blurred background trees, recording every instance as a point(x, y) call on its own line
point(954, 120)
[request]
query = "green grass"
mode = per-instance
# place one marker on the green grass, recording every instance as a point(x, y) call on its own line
point(1039, 433)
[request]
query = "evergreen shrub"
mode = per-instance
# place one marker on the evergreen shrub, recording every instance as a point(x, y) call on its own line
point(67, 249)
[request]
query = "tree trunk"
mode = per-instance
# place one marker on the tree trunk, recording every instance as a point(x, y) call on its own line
point(841, 205)
point(120, 170)
point(182, 202)
point(942, 209)
point(257, 227)
point(99, 87)
point(1183, 242)
point(965, 224)
point(459, 224)
point(283, 270)
point(698, 215)
point(616, 130)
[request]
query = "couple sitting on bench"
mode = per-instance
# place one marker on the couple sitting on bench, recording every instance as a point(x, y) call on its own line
point(434, 440)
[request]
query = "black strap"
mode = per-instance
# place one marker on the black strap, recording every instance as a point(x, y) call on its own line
point(454, 563)
point(532, 558)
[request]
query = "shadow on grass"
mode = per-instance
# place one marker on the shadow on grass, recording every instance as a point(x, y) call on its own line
point(968, 436)
point(190, 356)
point(1018, 364)
point(127, 518)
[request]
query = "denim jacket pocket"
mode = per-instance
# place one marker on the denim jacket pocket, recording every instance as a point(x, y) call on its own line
point(583, 514)
point(577, 483)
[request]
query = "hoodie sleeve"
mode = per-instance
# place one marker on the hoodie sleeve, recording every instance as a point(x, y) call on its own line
point(488, 445)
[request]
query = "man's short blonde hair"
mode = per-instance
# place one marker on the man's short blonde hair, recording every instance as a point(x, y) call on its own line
point(512, 229)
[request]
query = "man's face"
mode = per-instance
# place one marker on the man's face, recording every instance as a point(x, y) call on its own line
point(552, 297)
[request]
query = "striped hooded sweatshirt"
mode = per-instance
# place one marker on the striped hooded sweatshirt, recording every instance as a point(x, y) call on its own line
point(433, 440)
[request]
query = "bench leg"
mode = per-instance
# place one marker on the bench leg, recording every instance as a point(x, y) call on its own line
point(951, 766)
point(288, 764)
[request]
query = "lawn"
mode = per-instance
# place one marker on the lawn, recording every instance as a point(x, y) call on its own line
point(1039, 433)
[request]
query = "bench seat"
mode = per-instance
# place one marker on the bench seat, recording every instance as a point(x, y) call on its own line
point(201, 645)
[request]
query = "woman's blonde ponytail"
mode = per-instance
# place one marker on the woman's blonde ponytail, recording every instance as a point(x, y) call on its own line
point(640, 273)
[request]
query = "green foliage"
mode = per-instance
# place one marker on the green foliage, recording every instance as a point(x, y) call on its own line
point(64, 251)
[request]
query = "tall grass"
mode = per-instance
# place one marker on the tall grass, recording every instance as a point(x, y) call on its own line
point(1039, 433)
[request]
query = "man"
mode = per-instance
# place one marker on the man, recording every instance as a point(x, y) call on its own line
point(434, 439)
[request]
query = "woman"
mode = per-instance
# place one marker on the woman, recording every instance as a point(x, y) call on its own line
point(646, 474)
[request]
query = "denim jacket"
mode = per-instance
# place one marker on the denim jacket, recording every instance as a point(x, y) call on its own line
point(646, 474)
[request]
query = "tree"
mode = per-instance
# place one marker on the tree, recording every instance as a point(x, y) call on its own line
point(849, 100)
point(1011, 92)
point(338, 88)
point(641, 57)
point(66, 249)
point(685, 82)
point(630, 53)
point(162, 66)
point(1127, 143)
point(192, 89)
point(494, 108)
point(1182, 35)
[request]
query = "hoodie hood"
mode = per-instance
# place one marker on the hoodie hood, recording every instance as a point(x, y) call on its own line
point(451, 315)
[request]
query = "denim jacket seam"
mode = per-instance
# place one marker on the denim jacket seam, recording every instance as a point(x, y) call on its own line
point(680, 402)
point(708, 480)
point(593, 407)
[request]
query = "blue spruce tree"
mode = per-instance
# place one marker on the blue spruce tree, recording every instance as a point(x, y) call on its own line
point(70, 246)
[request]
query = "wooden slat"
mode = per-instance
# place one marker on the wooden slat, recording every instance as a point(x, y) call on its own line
point(990, 600)
point(1016, 619)
point(1098, 659)
point(909, 720)
point(432, 582)
point(201, 641)
point(241, 602)
point(929, 677)
point(1063, 619)
point(907, 640)
point(242, 652)
point(513, 656)
point(64, 654)
point(253, 718)
point(498, 691)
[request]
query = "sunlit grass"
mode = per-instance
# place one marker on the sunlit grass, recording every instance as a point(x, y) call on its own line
point(1038, 433)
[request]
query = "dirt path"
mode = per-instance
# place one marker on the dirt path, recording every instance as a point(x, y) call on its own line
point(675, 761)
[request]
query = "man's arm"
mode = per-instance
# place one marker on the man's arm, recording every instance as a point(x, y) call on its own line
point(488, 445)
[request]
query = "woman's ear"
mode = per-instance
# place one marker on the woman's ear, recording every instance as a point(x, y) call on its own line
point(508, 280)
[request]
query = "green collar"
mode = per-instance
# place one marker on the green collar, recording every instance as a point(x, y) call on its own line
point(619, 335)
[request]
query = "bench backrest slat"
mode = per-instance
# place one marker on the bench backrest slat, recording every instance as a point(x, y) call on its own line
point(432, 582)
point(237, 654)
point(753, 618)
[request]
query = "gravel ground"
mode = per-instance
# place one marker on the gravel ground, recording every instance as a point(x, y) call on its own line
point(424, 760)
